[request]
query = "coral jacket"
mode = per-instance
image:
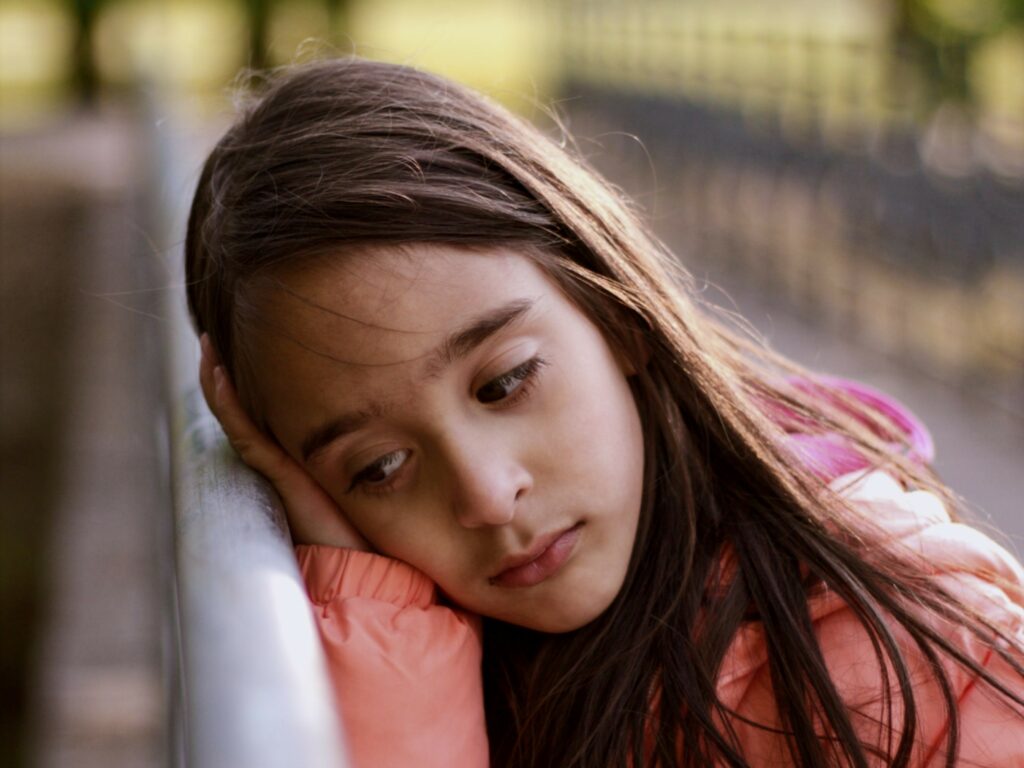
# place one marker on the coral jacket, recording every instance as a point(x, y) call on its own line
point(406, 670)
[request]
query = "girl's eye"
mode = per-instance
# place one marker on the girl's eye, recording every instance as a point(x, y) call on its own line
point(378, 474)
point(512, 385)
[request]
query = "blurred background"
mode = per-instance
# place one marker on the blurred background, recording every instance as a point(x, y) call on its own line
point(848, 174)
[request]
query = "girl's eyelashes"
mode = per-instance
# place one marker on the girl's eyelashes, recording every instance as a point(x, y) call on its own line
point(378, 474)
point(513, 385)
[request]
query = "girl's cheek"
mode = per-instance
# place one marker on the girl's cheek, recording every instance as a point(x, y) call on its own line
point(394, 533)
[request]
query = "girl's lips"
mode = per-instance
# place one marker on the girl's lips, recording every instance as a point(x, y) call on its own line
point(549, 560)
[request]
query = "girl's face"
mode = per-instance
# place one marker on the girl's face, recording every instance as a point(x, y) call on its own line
point(467, 418)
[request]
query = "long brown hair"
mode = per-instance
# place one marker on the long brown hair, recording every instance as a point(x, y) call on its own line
point(350, 153)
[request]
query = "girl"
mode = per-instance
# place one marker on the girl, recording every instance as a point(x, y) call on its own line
point(551, 511)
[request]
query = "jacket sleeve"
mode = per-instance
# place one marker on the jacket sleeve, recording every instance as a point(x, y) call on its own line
point(405, 670)
point(986, 578)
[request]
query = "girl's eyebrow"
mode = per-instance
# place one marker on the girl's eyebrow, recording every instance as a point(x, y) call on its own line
point(474, 333)
point(455, 346)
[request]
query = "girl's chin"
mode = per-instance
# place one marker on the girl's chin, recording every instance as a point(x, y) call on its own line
point(559, 624)
point(558, 618)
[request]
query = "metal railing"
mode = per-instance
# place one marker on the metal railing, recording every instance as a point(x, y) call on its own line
point(249, 679)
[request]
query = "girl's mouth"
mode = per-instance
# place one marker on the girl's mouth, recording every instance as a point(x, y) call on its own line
point(541, 562)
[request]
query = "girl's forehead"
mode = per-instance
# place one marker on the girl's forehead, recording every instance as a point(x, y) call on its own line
point(412, 278)
point(383, 306)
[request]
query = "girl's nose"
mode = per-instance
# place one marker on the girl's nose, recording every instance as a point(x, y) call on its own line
point(488, 485)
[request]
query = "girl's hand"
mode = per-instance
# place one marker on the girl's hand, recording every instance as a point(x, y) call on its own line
point(313, 517)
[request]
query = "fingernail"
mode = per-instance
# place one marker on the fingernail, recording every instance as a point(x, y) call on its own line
point(218, 376)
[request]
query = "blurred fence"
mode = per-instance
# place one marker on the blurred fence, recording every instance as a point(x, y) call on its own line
point(802, 154)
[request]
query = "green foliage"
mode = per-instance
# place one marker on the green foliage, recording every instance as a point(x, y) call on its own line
point(942, 36)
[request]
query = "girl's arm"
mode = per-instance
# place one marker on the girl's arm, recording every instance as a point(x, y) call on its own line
point(405, 670)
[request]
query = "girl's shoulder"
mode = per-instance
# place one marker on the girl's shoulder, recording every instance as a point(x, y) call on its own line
point(983, 575)
point(919, 523)
point(916, 521)
point(986, 578)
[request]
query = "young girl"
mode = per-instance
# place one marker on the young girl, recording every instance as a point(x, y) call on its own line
point(550, 510)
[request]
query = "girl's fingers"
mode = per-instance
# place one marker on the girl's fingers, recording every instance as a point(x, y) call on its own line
point(312, 515)
point(255, 448)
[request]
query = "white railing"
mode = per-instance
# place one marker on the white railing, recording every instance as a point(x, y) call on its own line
point(252, 688)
